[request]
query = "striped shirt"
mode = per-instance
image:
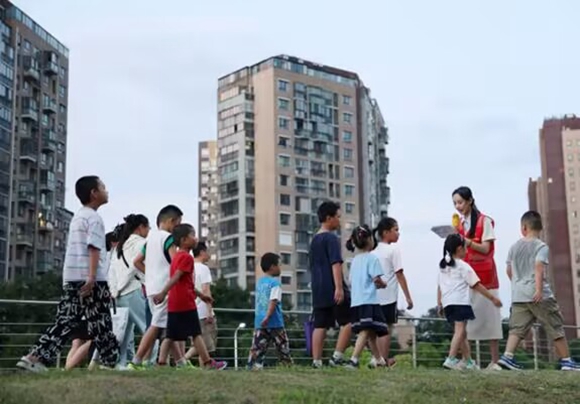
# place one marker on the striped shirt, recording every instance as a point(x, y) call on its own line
point(86, 229)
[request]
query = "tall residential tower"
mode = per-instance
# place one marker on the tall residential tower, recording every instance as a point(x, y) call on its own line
point(207, 191)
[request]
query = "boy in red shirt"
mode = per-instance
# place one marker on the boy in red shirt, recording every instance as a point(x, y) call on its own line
point(183, 320)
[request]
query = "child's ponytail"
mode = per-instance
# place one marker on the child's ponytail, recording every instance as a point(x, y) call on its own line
point(452, 243)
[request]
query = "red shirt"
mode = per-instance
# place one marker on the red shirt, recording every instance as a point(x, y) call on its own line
point(182, 294)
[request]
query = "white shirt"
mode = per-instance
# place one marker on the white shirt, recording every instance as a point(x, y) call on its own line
point(488, 231)
point(276, 293)
point(389, 256)
point(456, 283)
point(202, 276)
point(86, 229)
point(124, 278)
point(156, 263)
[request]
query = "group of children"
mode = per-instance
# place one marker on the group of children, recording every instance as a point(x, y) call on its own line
point(368, 307)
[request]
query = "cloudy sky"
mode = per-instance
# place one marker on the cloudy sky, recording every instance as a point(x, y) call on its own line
point(464, 87)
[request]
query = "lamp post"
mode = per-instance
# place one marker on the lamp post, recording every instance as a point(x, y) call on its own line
point(240, 327)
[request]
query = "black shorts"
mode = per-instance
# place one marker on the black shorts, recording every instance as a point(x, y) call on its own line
point(330, 317)
point(391, 313)
point(458, 313)
point(183, 324)
point(81, 332)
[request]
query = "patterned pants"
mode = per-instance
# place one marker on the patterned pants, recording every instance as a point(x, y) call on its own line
point(71, 308)
point(261, 342)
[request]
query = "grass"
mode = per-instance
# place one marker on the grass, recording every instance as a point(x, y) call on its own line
point(291, 386)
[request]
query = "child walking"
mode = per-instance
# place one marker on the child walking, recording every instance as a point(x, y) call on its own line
point(532, 297)
point(182, 318)
point(389, 254)
point(85, 289)
point(456, 277)
point(269, 320)
point(365, 278)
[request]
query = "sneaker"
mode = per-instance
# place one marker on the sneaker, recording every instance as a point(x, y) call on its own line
point(470, 364)
point(186, 366)
point(35, 367)
point(316, 365)
point(493, 366)
point(509, 363)
point(569, 365)
point(336, 362)
point(351, 365)
point(391, 363)
point(216, 365)
point(453, 364)
point(132, 366)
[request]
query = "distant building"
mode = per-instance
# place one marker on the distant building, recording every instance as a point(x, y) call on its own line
point(208, 195)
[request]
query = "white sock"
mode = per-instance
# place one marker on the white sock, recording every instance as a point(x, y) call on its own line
point(317, 362)
point(354, 360)
point(381, 361)
point(374, 361)
point(337, 355)
point(136, 361)
point(181, 362)
point(508, 355)
point(568, 359)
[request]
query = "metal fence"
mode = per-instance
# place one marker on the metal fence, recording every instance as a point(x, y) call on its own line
point(416, 342)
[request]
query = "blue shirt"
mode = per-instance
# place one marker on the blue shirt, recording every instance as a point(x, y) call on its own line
point(268, 289)
point(324, 252)
point(365, 267)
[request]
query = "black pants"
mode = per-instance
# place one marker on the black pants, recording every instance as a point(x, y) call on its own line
point(71, 308)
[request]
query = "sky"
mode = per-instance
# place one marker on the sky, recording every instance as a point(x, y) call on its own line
point(464, 88)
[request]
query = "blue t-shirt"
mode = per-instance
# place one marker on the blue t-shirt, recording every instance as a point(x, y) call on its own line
point(365, 267)
point(325, 251)
point(268, 289)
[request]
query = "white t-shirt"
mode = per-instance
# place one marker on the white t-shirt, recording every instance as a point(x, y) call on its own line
point(456, 282)
point(488, 231)
point(202, 276)
point(389, 256)
point(86, 229)
point(276, 293)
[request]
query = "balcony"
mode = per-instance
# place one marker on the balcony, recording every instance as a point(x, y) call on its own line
point(45, 226)
point(49, 140)
point(28, 154)
point(29, 114)
point(26, 197)
point(31, 73)
point(47, 185)
point(44, 266)
point(50, 106)
point(25, 239)
point(50, 66)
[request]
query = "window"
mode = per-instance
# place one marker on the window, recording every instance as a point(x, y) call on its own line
point(284, 238)
point(283, 161)
point(60, 167)
point(346, 99)
point(347, 117)
point(27, 45)
point(349, 207)
point(62, 91)
point(570, 172)
point(347, 154)
point(286, 258)
point(283, 104)
point(284, 200)
point(283, 141)
point(348, 172)
point(283, 123)
point(349, 190)
point(347, 136)
point(286, 280)
point(569, 157)
point(284, 180)
point(283, 85)
point(285, 219)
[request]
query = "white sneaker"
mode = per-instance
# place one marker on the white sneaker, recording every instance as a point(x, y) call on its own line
point(471, 365)
point(493, 366)
point(453, 364)
point(35, 367)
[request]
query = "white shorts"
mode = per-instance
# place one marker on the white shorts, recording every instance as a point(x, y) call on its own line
point(158, 313)
point(487, 323)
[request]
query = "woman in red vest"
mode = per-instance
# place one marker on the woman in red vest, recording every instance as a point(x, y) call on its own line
point(478, 231)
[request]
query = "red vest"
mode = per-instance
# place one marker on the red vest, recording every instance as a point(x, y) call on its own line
point(482, 264)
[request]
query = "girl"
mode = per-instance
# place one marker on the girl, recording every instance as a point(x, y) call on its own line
point(365, 279)
point(82, 346)
point(456, 277)
point(389, 256)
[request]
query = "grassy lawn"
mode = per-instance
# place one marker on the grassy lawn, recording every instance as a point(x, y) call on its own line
point(291, 386)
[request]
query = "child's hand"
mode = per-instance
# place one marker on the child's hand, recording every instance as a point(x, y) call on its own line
point(440, 310)
point(496, 302)
point(410, 304)
point(264, 323)
point(538, 296)
point(206, 299)
point(159, 298)
point(380, 283)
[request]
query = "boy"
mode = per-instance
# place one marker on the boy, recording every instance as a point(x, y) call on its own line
point(204, 310)
point(155, 260)
point(532, 297)
point(183, 320)
point(86, 292)
point(269, 321)
point(330, 294)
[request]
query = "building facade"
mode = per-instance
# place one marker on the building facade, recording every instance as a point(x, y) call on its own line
point(291, 134)
point(207, 212)
point(556, 195)
point(33, 129)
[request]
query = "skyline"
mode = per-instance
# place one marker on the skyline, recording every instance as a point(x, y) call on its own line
point(438, 91)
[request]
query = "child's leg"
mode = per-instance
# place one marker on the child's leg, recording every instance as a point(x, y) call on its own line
point(374, 345)
point(203, 355)
point(458, 338)
point(79, 355)
point(360, 344)
point(100, 324)
point(76, 344)
point(166, 347)
point(465, 349)
point(192, 352)
point(260, 345)
point(282, 345)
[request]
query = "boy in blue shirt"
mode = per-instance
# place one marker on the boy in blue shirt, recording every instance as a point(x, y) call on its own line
point(269, 321)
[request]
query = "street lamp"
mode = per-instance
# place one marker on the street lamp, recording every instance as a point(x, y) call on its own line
point(240, 327)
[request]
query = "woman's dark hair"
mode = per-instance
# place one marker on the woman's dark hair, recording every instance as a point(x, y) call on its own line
point(452, 243)
point(386, 224)
point(360, 238)
point(466, 194)
point(113, 236)
point(132, 223)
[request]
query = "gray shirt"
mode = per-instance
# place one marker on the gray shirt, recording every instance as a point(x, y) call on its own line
point(522, 259)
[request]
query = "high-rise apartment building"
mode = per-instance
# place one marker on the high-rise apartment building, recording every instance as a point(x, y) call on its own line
point(291, 134)
point(556, 195)
point(207, 212)
point(33, 132)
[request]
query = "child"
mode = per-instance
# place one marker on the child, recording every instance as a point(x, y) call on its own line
point(365, 278)
point(456, 277)
point(154, 260)
point(532, 297)
point(389, 255)
point(85, 289)
point(268, 320)
point(82, 345)
point(182, 319)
